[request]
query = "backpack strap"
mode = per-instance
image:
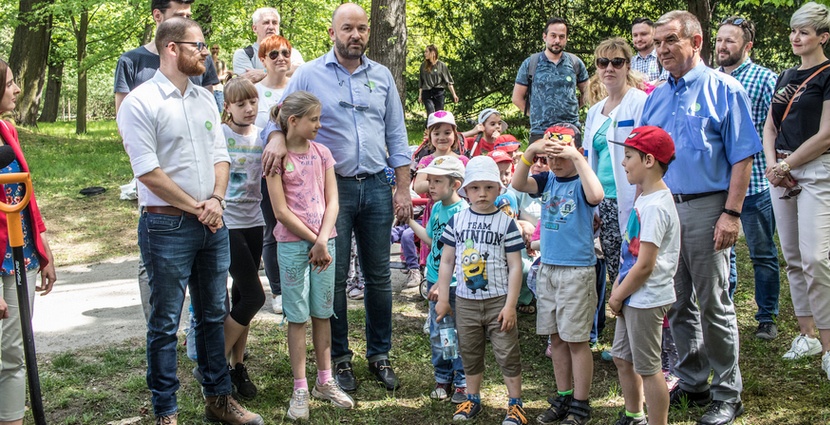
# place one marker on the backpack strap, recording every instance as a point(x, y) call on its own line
point(249, 50)
point(531, 70)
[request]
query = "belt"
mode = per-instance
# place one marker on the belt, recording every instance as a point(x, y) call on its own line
point(168, 210)
point(681, 198)
point(784, 155)
point(358, 177)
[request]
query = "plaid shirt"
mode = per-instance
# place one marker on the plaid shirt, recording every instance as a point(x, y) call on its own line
point(647, 65)
point(759, 83)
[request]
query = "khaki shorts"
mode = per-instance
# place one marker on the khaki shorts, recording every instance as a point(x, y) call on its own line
point(638, 338)
point(477, 319)
point(566, 301)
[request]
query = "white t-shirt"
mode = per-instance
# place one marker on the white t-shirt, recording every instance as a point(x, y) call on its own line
point(267, 99)
point(244, 193)
point(654, 219)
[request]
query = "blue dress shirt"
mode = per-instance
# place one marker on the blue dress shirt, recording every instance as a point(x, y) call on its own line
point(708, 115)
point(362, 118)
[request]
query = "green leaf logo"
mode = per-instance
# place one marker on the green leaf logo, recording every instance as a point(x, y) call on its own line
point(289, 167)
point(231, 141)
point(267, 94)
point(208, 125)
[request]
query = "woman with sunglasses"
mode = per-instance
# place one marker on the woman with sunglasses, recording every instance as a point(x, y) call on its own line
point(611, 120)
point(275, 54)
point(797, 148)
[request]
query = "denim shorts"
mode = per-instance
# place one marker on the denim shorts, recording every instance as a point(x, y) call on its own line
point(305, 293)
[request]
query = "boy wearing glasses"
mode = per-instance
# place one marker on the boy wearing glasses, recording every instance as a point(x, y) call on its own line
point(644, 291)
point(569, 193)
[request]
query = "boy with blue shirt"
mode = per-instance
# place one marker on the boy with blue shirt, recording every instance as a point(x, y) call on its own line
point(566, 286)
point(644, 290)
point(445, 175)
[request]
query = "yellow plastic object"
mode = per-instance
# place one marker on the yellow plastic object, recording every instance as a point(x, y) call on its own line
point(15, 226)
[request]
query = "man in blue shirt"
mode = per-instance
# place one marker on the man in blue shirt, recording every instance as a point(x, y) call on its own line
point(707, 113)
point(733, 43)
point(363, 126)
point(554, 83)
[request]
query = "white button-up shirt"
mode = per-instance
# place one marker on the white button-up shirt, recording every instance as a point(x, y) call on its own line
point(179, 133)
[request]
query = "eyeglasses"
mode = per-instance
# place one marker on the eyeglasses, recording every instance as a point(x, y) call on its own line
point(743, 24)
point(200, 45)
point(541, 160)
point(617, 63)
point(274, 54)
point(347, 105)
point(792, 192)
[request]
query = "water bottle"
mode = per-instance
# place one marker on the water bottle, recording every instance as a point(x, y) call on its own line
point(449, 338)
point(190, 340)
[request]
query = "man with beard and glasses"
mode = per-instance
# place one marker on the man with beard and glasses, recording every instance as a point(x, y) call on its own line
point(363, 126)
point(172, 134)
point(246, 63)
point(733, 43)
point(552, 84)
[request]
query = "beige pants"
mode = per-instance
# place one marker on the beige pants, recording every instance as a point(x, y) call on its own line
point(12, 359)
point(803, 224)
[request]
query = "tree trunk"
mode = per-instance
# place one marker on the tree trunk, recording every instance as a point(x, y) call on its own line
point(80, 37)
point(52, 97)
point(701, 9)
point(148, 33)
point(29, 56)
point(387, 43)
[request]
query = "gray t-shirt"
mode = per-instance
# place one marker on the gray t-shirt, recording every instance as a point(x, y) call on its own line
point(140, 65)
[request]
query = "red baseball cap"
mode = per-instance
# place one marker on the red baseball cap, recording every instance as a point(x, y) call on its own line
point(566, 129)
point(507, 143)
point(500, 156)
point(651, 140)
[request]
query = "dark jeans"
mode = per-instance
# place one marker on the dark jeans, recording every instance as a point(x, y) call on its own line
point(599, 315)
point(758, 223)
point(269, 244)
point(180, 252)
point(366, 208)
point(433, 100)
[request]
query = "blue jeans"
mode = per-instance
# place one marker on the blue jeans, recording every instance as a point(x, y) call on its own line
point(446, 371)
point(178, 252)
point(366, 208)
point(220, 100)
point(758, 223)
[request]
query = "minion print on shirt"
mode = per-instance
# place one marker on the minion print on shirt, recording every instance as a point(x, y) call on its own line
point(474, 266)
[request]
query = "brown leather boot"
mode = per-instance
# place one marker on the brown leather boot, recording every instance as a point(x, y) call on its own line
point(224, 409)
point(167, 419)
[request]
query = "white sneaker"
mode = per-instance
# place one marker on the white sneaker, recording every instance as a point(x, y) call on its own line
point(298, 406)
point(356, 293)
point(276, 303)
point(803, 346)
point(413, 279)
point(825, 363)
point(331, 391)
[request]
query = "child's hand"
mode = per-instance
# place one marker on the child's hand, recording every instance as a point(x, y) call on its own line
point(319, 257)
point(615, 304)
point(442, 309)
point(507, 317)
point(433, 293)
point(4, 309)
point(567, 151)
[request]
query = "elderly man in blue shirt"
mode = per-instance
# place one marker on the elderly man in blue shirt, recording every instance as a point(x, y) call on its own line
point(707, 113)
point(363, 126)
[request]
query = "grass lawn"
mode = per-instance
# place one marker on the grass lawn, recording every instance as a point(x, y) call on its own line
point(107, 384)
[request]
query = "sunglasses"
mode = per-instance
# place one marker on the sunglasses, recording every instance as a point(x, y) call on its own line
point(274, 54)
point(347, 105)
point(200, 45)
point(617, 63)
point(541, 160)
point(792, 192)
point(742, 23)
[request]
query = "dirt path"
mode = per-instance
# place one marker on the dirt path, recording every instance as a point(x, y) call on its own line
point(99, 304)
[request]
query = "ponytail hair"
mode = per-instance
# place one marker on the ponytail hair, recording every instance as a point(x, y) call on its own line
point(296, 104)
point(237, 90)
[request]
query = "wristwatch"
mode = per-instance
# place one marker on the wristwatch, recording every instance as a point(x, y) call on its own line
point(784, 167)
point(221, 200)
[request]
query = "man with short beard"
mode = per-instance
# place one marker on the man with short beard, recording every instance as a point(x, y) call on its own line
point(553, 85)
point(363, 126)
point(733, 43)
point(172, 134)
point(645, 61)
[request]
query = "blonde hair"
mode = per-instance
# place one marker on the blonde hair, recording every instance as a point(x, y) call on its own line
point(237, 90)
point(812, 15)
point(296, 104)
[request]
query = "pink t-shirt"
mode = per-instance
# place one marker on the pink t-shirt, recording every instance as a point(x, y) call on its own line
point(304, 183)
